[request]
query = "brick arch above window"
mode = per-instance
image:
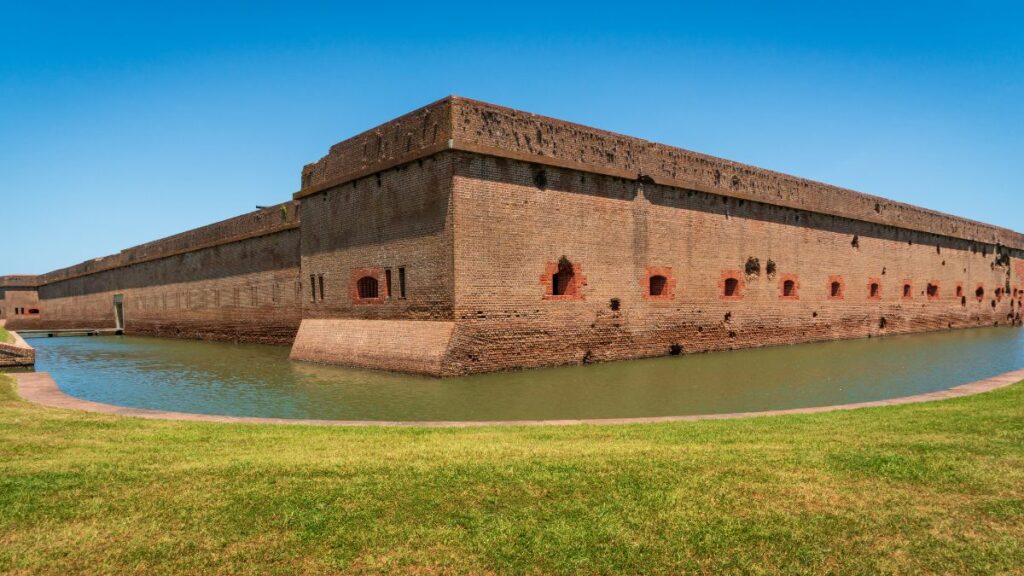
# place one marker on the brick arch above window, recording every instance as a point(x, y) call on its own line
point(836, 287)
point(730, 285)
point(789, 287)
point(563, 280)
point(658, 283)
point(874, 288)
point(359, 278)
point(907, 289)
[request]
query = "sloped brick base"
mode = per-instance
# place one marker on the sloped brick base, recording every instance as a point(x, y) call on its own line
point(402, 345)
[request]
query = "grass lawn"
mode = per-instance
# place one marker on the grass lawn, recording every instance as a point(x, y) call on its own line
point(927, 488)
point(5, 336)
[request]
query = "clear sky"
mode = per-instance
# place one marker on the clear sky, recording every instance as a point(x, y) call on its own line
point(123, 122)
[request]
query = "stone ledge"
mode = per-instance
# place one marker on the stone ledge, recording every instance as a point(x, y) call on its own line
point(17, 354)
point(40, 388)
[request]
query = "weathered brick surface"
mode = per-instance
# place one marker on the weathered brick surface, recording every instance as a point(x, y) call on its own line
point(400, 218)
point(18, 301)
point(233, 280)
point(509, 230)
point(421, 132)
point(17, 353)
point(480, 127)
point(403, 345)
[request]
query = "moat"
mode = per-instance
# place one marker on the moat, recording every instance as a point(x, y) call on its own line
point(256, 380)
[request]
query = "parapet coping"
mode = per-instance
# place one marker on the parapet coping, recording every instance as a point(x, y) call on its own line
point(40, 388)
point(464, 144)
point(200, 246)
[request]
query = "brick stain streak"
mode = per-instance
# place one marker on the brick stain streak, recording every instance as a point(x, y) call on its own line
point(451, 214)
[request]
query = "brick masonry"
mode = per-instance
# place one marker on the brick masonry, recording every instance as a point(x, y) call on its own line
point(16, 354)
point(499, 239)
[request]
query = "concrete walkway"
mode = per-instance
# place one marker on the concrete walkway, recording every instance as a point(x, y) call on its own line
point(40, 388)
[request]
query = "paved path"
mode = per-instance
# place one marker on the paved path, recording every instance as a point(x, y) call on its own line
point(40, 388)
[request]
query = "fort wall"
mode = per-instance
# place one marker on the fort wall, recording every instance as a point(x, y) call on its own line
point(457, 123)
point(465, 237)
point(393, 229)
point(618, 233)
point(233, 280)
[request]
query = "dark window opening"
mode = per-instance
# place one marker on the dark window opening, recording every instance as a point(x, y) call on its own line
point(320, 282)
point(387, 282)
point(312, 287)
point(367, 287)
point(33, 310)
point(836, 289)
point(979, 293)
point(875, 289)
point(615, 304)
point(732, 285)
point(401, 283)
point(906, 290)
point(561, 281)
point(788, 288)
point(933, 291)
point(658, 284)
point(959, 291)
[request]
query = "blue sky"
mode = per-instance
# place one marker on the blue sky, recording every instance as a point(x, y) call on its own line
point(124, 122)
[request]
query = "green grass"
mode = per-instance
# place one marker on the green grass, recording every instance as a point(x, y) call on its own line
point(927, 488)
point(6, 336)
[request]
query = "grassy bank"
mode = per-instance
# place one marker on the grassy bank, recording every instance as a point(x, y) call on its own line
point(5, 336)
point(927, 488)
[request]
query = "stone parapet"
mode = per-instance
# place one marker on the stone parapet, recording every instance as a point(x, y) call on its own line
point(463, 124)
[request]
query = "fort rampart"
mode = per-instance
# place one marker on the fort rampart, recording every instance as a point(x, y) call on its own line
point(466, 237)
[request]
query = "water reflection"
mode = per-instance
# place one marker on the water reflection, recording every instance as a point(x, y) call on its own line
point(258, 380)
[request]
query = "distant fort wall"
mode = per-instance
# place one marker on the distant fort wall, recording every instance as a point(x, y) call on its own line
point(233, 280)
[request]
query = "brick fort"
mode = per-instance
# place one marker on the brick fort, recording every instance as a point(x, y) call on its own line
point(466, 237)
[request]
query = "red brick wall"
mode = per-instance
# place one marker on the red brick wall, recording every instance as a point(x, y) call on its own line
point(16, 303)
point(511, 224)
point(245, 290)
point(400, 218)
point(462, 124)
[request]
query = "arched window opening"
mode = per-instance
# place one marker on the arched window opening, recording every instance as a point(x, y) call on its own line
point(789, 288)
point(367, 287)
point(907, 291)
point(657, 285)
point(561, 281)
point(959, 291)
point(933, 291)
point(732, 286)
point(875, 290)
point(836, 289)
point(980, 293)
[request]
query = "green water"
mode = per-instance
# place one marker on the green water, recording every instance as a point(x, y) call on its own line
point(256, 380)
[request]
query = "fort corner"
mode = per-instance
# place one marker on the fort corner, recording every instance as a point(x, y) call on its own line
point(466, 237)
